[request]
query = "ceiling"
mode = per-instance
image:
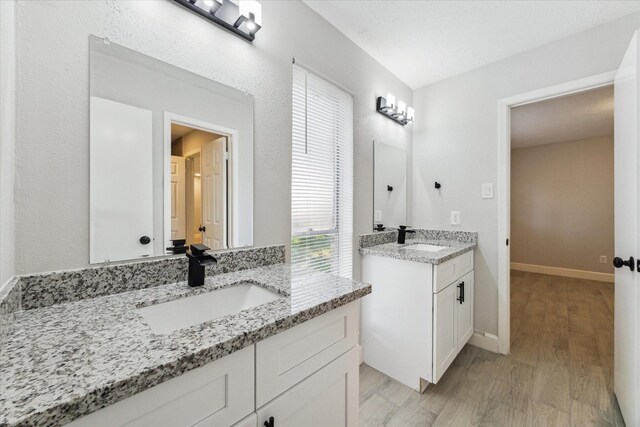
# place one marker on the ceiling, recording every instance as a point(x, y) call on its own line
point(567, 118)
point(422, 42)
point(178, 131)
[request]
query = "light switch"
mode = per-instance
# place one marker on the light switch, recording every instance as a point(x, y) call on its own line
point(487, 191)
point(455, 217)
point(377, 215)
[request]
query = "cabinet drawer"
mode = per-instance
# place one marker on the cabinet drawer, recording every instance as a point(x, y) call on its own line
point(213, 395)
point(328, 398)
point(285, 359)
point(449, 271)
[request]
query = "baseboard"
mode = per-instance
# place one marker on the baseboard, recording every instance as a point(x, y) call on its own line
point(564, 272)
point(484, 340)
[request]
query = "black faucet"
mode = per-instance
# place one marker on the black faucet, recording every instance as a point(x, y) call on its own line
point(198, 260)
point(402, 233)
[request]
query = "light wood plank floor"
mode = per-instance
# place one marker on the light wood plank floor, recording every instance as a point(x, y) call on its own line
point(559, 373)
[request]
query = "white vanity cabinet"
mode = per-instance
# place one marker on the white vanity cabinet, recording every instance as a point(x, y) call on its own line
point(306, 375)
point(418, 316)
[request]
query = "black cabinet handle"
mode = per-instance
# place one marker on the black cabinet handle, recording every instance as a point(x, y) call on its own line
point(619, 263)
point(145, 240)
point(461, 297)
point(270, 423)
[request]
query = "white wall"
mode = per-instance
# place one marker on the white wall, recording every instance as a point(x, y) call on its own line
point(456, 139)
point(562, 204)
point(7, 139)
point(52, 193)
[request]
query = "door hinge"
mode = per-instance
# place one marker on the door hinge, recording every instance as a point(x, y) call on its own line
point(507, 242)
point(226, 155)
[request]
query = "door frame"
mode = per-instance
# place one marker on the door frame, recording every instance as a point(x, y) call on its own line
point(232, 168)
point(504, 184)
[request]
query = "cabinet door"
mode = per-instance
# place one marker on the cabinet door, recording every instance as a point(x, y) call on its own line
point(464, 309)
point(327, 398)
point(444, 330)
point(250, 421)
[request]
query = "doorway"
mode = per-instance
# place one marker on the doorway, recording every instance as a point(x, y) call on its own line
point(199, 186)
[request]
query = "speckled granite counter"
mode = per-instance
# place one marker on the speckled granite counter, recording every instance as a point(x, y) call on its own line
point(384, 244)
point(69, 359)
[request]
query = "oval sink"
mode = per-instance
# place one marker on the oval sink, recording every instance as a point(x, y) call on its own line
point(426, 247)
point(170, 316)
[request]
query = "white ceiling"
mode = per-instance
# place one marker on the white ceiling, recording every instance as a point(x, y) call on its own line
point(568, 118)
point(425, 41)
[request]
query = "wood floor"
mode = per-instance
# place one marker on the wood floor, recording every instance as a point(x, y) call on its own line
point(559, 373)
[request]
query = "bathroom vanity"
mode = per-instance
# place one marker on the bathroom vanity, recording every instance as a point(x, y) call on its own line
point(133, 345)
point(420, 314)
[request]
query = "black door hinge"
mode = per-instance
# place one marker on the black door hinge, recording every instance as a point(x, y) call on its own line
point(507, 242)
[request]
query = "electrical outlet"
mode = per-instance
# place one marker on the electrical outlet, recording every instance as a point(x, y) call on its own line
point(603, 259)
point(455, 217)
point(377, 215)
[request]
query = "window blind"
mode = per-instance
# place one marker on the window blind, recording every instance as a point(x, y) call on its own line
point(321, 175)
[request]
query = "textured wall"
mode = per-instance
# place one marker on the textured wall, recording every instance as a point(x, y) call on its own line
point(7, 140)
point(562, 204)
point(52, 194)
point(456, 139)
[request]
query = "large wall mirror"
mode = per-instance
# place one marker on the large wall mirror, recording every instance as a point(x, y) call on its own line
point(171, 158)
point(389, 186)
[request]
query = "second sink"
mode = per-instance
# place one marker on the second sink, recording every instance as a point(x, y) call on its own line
point(426, 247)
point(170, 316)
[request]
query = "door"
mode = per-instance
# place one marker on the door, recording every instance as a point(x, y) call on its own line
point(627, 297)
point(178, 204)
point(327, 398)
point(464, 310)
point(445, 329)
point(120, 181)
point(214, 193)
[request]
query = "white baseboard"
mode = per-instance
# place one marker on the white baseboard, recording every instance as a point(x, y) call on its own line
point(484, 340)
point(564, 272)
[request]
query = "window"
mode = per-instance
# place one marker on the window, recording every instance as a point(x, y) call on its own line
point(321, 175)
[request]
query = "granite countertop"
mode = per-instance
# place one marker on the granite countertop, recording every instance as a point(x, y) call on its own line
point(404, 252)
point(63, 361)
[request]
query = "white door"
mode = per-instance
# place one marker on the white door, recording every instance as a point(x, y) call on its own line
point(464, 308)
point(214, 194)
point(327, 398)
point(627, 297)
point(120, 181)
point(445, 329)
point(178, 204)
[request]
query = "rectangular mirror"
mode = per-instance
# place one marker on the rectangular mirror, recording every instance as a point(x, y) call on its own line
point(171, 158)
point(389, 186)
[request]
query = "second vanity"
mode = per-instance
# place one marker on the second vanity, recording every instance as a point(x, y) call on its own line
point(420, 314)
point(88, 351)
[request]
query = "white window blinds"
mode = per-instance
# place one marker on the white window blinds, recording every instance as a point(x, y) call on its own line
point(321, 175)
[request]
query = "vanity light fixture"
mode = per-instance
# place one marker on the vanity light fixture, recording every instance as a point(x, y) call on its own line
point(241, 17)
point(397, 112)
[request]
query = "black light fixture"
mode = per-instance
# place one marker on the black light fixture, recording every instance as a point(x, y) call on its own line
point(399, 112)
point(241, 17)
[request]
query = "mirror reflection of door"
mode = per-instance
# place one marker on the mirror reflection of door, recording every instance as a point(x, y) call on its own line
point(199, 189)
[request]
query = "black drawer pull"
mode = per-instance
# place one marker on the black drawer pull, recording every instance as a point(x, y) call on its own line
point(461, 297)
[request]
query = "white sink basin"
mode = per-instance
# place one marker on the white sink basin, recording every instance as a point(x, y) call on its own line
point(170, 316)
point(427, 248)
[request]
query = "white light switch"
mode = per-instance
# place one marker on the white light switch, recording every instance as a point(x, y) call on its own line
point(377, 215)
point(455, 217)
point(487, 191)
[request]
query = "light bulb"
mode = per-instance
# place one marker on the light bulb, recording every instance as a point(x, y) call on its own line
point(208, 3)
point(410, 114)
point(249, 7)
point(391, 101)
point(401, 108)
point(251, 25)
